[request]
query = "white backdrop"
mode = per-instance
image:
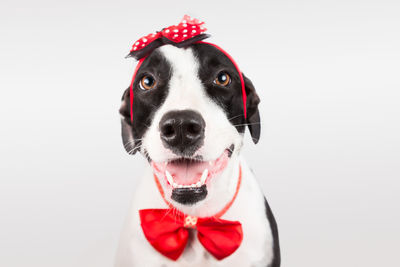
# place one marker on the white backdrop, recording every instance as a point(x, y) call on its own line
point(328, 160)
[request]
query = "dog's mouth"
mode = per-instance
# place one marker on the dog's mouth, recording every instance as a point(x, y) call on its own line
point(188, 177)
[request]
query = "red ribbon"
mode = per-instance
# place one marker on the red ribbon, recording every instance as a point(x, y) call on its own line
point(167, 230)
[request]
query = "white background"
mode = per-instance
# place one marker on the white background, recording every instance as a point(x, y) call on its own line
point(328, 160)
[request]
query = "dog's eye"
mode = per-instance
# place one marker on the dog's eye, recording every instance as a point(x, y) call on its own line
point(222, 79)
point(147, 82)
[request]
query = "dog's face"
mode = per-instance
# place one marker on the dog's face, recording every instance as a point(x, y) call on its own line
point(188, 120)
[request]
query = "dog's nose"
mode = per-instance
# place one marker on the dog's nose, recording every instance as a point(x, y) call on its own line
point(182, 131)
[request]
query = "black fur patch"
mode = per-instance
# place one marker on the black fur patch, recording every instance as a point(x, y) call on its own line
point(145, 103)
point(276, 261)
point(229, 98)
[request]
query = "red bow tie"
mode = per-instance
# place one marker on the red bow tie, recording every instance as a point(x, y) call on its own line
point(167, 231)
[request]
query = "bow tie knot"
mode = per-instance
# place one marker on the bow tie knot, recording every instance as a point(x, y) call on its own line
point(190, 221)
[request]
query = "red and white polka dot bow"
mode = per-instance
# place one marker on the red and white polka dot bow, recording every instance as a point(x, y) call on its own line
point(188, 31)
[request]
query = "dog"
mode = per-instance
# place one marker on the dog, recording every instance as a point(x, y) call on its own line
point(187, 119)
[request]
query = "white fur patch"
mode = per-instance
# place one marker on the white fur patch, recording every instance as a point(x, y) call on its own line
point(186, 91)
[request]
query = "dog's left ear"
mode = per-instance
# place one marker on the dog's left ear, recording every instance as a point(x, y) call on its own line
point(253, 115)
point(128, 140)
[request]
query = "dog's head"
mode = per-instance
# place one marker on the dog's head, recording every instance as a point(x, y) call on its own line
point(188, 120)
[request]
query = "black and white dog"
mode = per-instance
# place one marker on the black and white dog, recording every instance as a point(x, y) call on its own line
point(188, 122)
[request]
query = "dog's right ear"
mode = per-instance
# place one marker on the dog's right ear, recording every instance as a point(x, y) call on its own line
point(253, 115)
point(130, 145)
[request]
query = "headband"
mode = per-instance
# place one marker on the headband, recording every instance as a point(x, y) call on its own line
point(187, 32)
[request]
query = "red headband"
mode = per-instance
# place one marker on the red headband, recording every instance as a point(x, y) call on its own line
point(187, 32)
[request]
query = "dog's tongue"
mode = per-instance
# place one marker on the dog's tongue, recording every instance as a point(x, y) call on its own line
point(189, 172)
point(186, 173)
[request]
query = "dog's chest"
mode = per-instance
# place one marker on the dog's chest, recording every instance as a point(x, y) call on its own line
point(248, 209)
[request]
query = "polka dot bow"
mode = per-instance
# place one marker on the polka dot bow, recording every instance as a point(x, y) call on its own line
point(188, 31)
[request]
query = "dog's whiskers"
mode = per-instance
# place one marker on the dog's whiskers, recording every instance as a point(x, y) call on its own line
point(147, 126)
point(131, 142)
point(135, 148)
point(247, 124)
point(234, 117)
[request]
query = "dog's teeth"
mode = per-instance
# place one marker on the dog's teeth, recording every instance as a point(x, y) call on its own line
point(198, 184)
point(204, 176)
point(174, 185)
point(169, 177)
point(180, 186)
point(192, 185)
